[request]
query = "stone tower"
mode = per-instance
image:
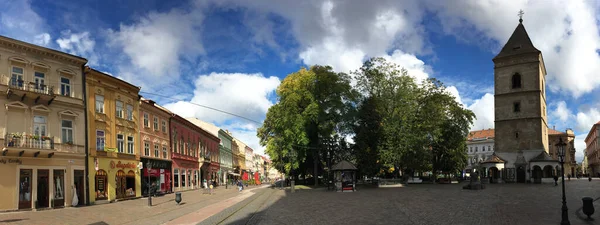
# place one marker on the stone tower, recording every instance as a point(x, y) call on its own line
point(520, 98)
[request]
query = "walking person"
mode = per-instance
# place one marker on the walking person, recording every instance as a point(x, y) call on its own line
point(555, 180)
point(240, 185)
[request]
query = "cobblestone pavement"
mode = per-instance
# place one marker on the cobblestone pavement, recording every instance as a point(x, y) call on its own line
point(130, 212)
point(429, 204)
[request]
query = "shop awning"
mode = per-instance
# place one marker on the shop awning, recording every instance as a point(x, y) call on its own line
point(235, 174)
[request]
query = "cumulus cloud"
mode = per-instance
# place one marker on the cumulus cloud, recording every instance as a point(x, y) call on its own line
point(247, 95)
point(157, 43)
point(562, 112)
point(80, 44)
point(242, 94)
point(484, 110)
point(586, 118)
point(566, 32)
point(19, 21)
point(579, 147)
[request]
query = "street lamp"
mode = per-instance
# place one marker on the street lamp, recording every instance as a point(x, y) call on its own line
point(328, 169)
point(561, 157)
point(148, 168)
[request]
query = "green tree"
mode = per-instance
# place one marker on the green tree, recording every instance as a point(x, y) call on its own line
point(314, 104)
point(368, 134)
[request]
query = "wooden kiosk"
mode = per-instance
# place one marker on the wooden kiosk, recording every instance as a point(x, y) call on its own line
point(344, 176)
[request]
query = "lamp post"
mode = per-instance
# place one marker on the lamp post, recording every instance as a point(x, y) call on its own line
point(561, 157)
point(148, 168)
point(328, 169)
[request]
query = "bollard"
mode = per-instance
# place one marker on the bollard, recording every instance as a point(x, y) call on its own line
point(588, 207)
point(178, 197)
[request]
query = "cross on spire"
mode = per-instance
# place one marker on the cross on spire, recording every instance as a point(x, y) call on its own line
point(521, 16)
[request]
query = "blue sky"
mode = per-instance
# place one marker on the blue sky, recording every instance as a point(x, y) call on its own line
point(232, 54)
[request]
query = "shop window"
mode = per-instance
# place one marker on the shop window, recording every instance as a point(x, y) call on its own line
point(101, 193)
point(189, 178)
point(176, 178)
point(130, 186)
point(59, 191)
point(183, 172)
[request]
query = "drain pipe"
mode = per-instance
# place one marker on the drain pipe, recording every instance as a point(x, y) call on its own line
point(87, 149)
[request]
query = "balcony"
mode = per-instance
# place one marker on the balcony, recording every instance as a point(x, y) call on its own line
point(28, 141)
point(22, 89)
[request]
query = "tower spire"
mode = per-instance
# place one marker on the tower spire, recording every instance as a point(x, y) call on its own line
point(521, 16)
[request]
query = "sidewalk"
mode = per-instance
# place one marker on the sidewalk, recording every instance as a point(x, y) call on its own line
point(130, 212)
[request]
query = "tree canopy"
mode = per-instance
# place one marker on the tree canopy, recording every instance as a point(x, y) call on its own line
point(398, 122)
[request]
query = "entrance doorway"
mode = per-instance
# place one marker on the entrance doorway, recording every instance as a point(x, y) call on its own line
point(43, 197)
point(121, 184)
point(78, 183)
point(25, 188)
point(520, 174)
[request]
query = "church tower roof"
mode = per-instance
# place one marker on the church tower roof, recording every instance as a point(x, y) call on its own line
point(518, 43)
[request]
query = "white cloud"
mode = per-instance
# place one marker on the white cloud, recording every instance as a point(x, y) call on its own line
point(42, 39)
point(562, 112)
point(566, 32)
point(19, 21)
point(484, 110)
point(579, 146)
point(454, 92)
point(586, 119)
point(157, 44)
point(80, 44)
point(414, 66)
point(246, 95)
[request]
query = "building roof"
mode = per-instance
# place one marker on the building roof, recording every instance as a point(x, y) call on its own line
point(543, 157)
point(518, 43)
point(39, 49)
point(344, 165)
point(211, 128)
point(481, 134)
point(494, 159)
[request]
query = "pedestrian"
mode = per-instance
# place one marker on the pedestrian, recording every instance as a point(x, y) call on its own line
point(569, 176)
point(590, 178)
point(240, 185)
point(555, 180)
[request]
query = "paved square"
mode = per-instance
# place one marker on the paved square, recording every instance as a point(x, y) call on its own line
point(433, 204)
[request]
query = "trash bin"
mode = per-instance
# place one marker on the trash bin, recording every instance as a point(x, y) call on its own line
point(178, 197)
point(588, 206)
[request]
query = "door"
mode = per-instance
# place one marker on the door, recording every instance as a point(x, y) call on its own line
point(121, 181)
point(43, 190)
point(39, 130)
point(25, 188)
point(520, 175)
point(38, 79)
point(59, 191)
point(78, 183)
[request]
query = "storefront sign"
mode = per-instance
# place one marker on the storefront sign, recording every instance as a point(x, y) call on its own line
point(122, 165)
point(11, 161)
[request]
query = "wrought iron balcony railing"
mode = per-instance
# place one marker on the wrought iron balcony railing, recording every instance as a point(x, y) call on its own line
point(23, 140)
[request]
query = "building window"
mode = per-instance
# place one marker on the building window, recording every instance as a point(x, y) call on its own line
point(176, 178)
point(156, 151)
point(120, 143)
point(65, 86)
point(67, 131)
point(99, 104)
point(182, 147)
point(516, 107)
point(119, 109)
point(155, 123)
point(146, 122)
point(100, 140)
point(483, 148)
point(39, 79)
point(164, 148)
point(475, 149)
point(489, 148)
point(146, 148)
point(516, 81)
point(129, 112)
point(183, 178)
point(16, 80)
point(130, 144)
point(471, 149)
point(164, 126)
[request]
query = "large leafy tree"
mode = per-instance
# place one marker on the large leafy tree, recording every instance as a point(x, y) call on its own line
point(314, 104)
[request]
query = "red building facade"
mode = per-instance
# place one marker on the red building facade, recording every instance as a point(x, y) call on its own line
point(185, 139)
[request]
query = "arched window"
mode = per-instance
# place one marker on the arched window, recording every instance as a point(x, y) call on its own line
point(516, 80)
point(101, 193)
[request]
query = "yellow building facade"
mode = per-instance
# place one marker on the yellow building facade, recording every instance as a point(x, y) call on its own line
point(113, 137)
point(43, 155)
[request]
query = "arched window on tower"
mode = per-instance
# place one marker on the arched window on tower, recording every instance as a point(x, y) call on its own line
point(516, 80)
